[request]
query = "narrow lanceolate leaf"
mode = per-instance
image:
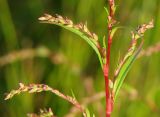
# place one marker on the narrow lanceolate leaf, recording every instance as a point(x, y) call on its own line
point(79, 29)
point(125, 64)
point(106, 11)
point(123, 72)
point(88, 113)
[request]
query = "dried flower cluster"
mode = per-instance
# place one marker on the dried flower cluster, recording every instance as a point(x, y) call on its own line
point(43, 113)
point(35, 88)
point(59, 20)
point(78, 28)
point(142, 28)
point(135, 36)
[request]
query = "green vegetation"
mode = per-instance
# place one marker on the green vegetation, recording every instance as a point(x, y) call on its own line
point(45, 54)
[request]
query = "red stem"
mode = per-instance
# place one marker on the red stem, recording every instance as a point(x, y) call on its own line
point(109, 99)
point(109, 102)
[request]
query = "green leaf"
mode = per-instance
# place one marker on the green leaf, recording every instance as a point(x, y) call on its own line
point(73, 95)
point(88, 113)
point(124, 71)
point(104, 42)
point(115, 8)
point(89, 40)
point(106, 11)
point(114, 31)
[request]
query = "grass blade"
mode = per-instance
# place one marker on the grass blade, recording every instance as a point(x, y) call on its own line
point(124, 71)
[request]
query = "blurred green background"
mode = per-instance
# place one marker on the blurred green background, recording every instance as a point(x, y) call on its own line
point(72, 65)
